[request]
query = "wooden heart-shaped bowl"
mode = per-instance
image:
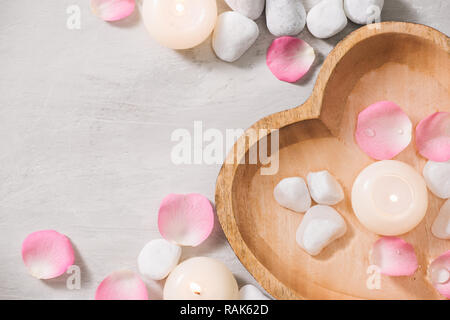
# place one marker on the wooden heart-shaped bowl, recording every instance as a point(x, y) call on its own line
point(401, 62)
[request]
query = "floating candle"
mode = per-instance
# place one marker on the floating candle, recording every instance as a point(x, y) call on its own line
point(179, 24)
point(201, 278)
point(122, 285)
point(389, 197)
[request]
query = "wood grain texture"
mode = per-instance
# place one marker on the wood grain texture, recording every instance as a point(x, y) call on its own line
point(402, 62)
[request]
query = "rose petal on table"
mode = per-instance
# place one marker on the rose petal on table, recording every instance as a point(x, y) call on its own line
point(122, 285)
point(112, 10)
point(158, 258)
point(383, 130)
point(186, 220)
point(289, 58)
point(47, 254)
point(394, 256)
point(433, 137)
point(439, 274)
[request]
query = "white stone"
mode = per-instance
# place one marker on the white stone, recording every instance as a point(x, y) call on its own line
point(285, 17)
point(437, 177)
point(320, 226)
point(292, 193)
point(250, 292)
point(440, 276)
point(324, 188)
point(158, 258)
point(441, 225)
point(233, 36)
point(249, 8)
point(363, 11)
point(326, 19)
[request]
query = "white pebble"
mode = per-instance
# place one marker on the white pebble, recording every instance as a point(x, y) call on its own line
point(285, 17)
point(326, 19)
point(437, 177)
point(158, 258)
point(440, 276)
point(441, 225)
point(249, 8)
point(292, 193)
point(250, 292)
point(320, 226)
point(324, 188)
point(363, 11)
point(233, 36)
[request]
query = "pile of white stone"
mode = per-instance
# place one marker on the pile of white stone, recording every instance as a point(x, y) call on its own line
point(236, 31)
point(321, 224)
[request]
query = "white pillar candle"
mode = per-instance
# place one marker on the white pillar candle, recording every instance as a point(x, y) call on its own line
point(389, 197)
point(201, 278)
point(179, 24)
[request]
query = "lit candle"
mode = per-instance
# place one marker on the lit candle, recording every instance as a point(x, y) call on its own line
point(201, 279)
point(389, 197)
point(180, 24)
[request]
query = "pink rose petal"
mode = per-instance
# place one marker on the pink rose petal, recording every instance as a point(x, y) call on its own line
point(433, 137)
point(394, 256)
point(289, 58)
point(185, 220)
point(47, 254)
point(439, 273)
point(383, 130)
point(112, 10)
point(122, 285)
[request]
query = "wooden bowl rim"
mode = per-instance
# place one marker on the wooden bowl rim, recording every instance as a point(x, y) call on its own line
point(309, 110)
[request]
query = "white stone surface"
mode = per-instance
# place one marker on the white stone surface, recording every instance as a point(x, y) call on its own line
point(326, 19)
point(86, 120)
point(320, 226)
point(363, 11)
point(233, 36)
point(441, 225)
point(437, 177)
point(285, 17)
point(292, 193)
point(324, 188)
point(249, 8)
point(158, 258)
point(250, 292)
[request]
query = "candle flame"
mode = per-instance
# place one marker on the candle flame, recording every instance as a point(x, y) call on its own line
point(196, 289)
point(393, 198)
point(179, 7)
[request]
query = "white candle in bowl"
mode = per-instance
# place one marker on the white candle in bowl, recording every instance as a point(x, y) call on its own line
point(179, 24)
point(389, 197)
point(201, 278)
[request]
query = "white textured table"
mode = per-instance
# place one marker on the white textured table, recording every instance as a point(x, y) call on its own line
point(86, 118)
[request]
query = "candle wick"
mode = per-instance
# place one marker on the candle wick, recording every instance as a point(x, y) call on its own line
point(394, 198)
point(179, 7)
point(196, 289)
